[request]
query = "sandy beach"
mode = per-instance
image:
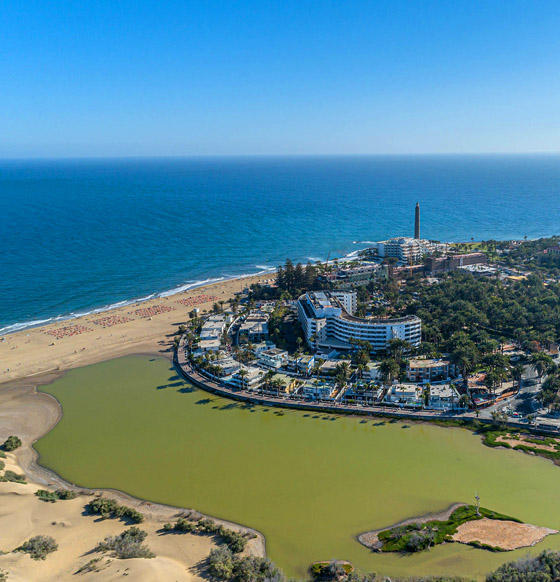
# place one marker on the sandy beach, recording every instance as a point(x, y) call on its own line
point(179, 557)
point(146, 327)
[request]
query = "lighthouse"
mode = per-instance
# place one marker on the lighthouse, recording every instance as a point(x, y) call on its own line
point(417, 221)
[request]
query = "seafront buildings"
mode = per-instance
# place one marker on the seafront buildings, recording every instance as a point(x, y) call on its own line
point(328, 322)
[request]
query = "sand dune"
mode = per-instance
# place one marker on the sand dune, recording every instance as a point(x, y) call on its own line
point(179, 557)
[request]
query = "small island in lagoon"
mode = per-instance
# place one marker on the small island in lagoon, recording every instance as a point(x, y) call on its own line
point(463, 523)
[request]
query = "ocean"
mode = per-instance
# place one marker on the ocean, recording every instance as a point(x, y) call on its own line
point(81, 235)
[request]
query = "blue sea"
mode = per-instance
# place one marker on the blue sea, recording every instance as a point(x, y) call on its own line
point(80, 235)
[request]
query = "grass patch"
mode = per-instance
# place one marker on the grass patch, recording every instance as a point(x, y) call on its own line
point(416, 537)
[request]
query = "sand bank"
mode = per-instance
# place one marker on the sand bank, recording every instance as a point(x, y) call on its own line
point(507, 535)
point(147, 327)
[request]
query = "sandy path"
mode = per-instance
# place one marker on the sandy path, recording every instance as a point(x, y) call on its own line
point(507, 535)
point(179, 558)
point(522, 441)
point(35, 351)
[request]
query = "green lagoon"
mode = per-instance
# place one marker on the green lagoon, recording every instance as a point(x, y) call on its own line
point(309, 482)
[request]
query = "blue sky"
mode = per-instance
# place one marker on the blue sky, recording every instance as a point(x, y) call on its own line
point(95, 78)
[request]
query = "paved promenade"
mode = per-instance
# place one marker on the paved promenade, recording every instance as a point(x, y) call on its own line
point(205, 383)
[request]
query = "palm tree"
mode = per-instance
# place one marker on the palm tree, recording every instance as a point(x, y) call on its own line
point(389, 370)
point(268, 378)
point(517, 374)
point(541, 363)
point(243, 373)
point(398, 347)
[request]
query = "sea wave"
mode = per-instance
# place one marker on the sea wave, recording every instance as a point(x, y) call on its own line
point(21, 326)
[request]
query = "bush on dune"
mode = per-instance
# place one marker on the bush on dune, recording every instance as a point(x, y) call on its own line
point(126, 545)
point(12, 443)
point(38, 547)
point(108, 508)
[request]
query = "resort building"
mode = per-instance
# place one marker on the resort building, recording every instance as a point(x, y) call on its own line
point(443, 396)
point(255, 326)
point(430, 370)
point(328, 321)
point(407, 249)
point(213, 327)
point(313, 390)
point(406, 394)
point(282, 383)
point(251, 381)
point(273, 358)
point(437, 265)
point(360, 275)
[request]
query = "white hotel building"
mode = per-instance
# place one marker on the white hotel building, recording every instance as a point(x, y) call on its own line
point(327, 317)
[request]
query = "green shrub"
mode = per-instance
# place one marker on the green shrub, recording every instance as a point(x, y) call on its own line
point(126, 545)
point(108, 508)
point(417, 537)
point(11, 443)
point(52, 496)
point(66, 494)
point(3, 576)
point(542, 568)
point(2, 465)
point(48, 496)
point(235, 541)
point(2, 454)
point(13, 477)
point(224, 565)
point(38, 547)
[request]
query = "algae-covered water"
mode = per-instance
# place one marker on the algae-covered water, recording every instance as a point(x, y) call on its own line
point(309, 482)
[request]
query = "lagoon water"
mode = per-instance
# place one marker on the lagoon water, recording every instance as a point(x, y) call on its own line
point(309, 482)
point(83, 234)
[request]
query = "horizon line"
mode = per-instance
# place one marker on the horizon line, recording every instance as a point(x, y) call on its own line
point(283, 155)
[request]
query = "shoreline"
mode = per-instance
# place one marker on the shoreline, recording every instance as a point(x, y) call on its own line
point(185, 288)
point(142, 327)
point(31, 415)
point(41, 475)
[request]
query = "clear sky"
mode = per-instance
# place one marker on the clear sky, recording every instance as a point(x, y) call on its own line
point(112, 78)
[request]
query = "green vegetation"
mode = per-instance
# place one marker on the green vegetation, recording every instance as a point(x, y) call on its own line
point(235, 541)
point(332, 570)
point(490, 439)
point(52, 496)
point(108, 508)
point(542, 568)
point(128, 544)
point(12, 477)
point(11, 443)
point(2, 454)
point(2, 465)
point(38, 547)
point(3, 576)
point(416, 537)
point(224, 565)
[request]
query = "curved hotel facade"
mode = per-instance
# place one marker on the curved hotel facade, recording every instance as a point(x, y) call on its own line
point(327, 321)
